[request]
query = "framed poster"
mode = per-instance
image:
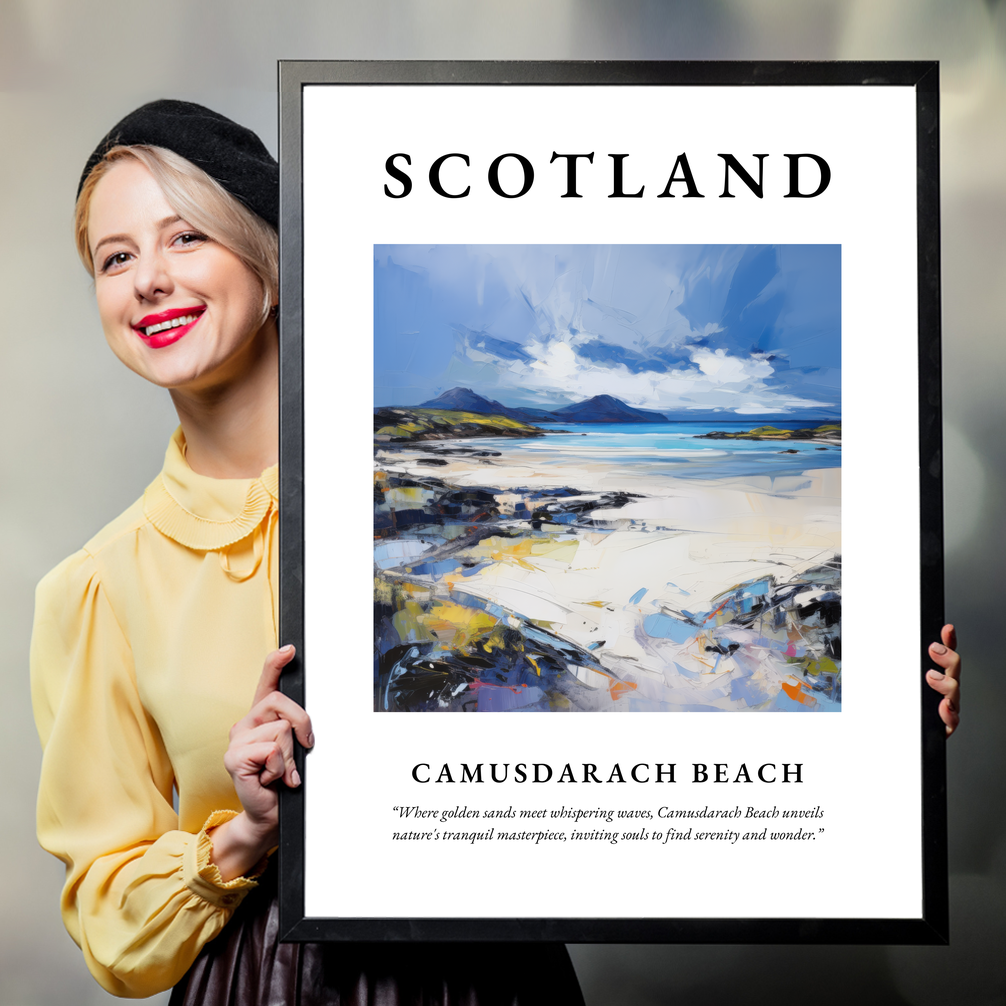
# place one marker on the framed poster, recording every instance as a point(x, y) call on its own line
point(610, 414)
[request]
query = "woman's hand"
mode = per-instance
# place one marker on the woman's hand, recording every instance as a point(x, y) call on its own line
point(947, 682)
point(260, 753)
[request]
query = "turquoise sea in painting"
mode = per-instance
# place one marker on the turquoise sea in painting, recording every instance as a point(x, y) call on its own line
point(680, 449)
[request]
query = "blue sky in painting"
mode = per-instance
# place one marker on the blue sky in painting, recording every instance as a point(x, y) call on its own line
point(684, 328)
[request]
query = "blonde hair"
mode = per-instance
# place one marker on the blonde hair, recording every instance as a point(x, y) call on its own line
point(199, 200)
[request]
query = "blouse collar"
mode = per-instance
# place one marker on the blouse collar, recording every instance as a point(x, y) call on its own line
point(204, 513)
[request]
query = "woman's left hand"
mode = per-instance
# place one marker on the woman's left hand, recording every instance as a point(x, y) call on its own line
point(947, 682)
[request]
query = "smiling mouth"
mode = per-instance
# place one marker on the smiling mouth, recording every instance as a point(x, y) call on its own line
point(185, 319)
point(166, 322)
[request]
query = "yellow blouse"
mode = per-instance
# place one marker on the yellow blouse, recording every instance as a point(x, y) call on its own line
point(147, 647)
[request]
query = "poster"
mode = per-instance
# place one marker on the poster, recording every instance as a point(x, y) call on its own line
point(601, 385)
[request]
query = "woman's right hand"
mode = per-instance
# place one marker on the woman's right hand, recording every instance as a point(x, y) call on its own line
point(259, 754)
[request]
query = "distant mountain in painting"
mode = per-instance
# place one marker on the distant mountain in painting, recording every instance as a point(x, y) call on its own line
point(606, 409)
point(598, 409)
point(466, 400)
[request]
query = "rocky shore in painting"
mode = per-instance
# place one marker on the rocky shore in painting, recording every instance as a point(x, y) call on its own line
point(509, 580)
point(396, 425)
point(829, 433)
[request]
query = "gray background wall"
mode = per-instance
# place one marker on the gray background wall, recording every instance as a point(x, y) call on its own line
point(81, 436)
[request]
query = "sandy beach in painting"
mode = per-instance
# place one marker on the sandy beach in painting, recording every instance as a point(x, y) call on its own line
point(591, 583)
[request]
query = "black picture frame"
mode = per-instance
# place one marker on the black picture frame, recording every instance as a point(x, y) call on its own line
point(932, 925)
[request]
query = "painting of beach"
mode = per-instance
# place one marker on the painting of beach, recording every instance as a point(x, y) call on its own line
point(607, 478)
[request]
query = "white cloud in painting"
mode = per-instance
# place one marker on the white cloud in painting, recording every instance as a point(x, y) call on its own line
point(738, 328)
point(715, 380)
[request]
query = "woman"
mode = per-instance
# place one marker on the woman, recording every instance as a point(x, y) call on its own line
point(148, 643)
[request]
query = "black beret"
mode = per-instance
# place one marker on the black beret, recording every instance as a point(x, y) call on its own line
point(230, 154)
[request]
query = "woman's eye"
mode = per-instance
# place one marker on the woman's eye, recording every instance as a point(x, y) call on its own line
point(190, 238)
point(114, 261)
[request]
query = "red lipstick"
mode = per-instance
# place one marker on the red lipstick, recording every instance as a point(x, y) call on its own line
point(165, 333)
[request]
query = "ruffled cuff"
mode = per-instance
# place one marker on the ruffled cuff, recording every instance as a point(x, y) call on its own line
point(203, 878)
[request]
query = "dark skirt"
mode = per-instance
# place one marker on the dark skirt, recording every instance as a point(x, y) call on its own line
point(246, 965)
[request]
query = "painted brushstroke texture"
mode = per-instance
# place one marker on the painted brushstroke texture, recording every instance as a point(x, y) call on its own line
point(550, 535)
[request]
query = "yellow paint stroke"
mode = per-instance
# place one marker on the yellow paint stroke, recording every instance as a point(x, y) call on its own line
point(397, 592)
point(407, 496)
point(518, 551)
point(452, 625)
point(402, 430)
point(534, 664)
point(498, 641)
point(815, 667)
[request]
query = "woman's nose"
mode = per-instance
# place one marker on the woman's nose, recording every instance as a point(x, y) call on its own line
point(152, 277)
